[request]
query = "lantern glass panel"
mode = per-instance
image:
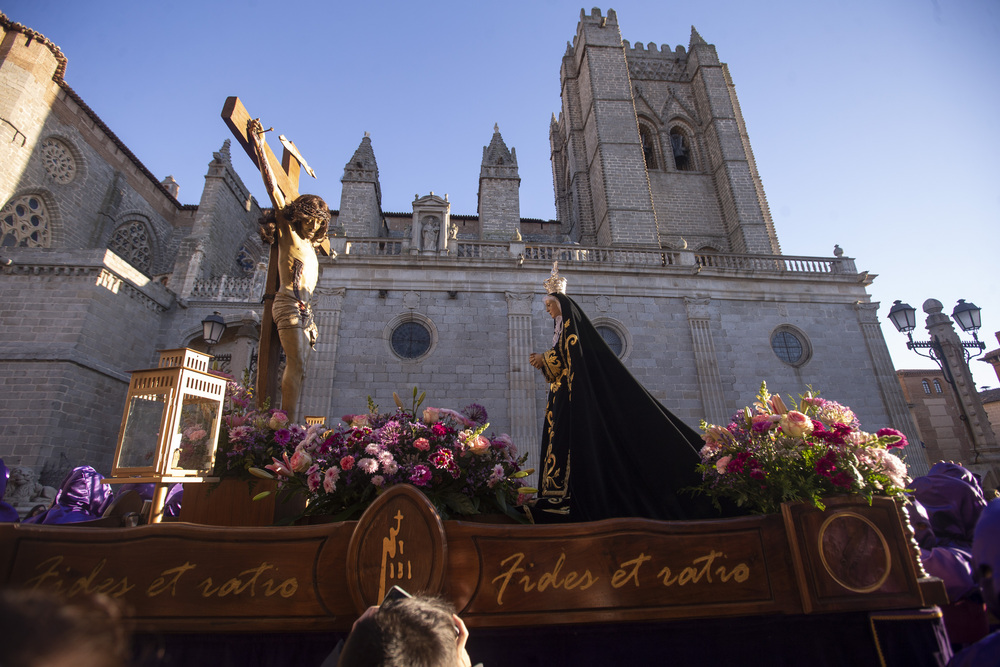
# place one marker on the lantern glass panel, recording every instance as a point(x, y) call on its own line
point(141, 435)
point(196, 429)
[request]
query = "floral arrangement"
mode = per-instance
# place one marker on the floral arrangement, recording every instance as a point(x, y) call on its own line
point(440, 451)
point(249, 437)
point(770, 454)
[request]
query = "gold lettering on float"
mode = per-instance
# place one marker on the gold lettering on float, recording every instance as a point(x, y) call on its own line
point(629, 570)
point(569, 581)
point(236, 586)
point(87, 584)
point(391, 547)
point(701, 568)
point(168, 580)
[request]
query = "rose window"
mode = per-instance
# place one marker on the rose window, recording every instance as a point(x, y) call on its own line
point(58, 161)
point(24, 223)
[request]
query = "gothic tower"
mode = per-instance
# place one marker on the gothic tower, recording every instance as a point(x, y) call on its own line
point(499, 202)
point(651, 149)
point(361, 196)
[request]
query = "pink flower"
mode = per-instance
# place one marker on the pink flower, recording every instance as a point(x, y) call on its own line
point(439, 429)
point(314, 480)
point(301, 460)
point(281, 468)
point(762, 423)
point(423, 444)
point(478, 445)
point(347, 462)
point(378, 481)
point(495, 476)
point(778, 405)
point(432, 415)
point(796, 424)
point(330, 478)
point(355, 421)
point(195, 434)
point(278, 420)
point(369, 466)
point(722, 465)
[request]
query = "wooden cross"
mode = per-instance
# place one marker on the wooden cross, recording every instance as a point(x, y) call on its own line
point(286, 178)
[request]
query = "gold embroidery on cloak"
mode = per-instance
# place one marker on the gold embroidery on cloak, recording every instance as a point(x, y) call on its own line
point(555, 482)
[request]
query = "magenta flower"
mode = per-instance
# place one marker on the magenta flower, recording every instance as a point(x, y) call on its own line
point(442, 458)
point(893, 433)
point(421, 475)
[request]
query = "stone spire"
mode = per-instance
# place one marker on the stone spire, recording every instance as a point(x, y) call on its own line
point(361, 195)
point(499, 183)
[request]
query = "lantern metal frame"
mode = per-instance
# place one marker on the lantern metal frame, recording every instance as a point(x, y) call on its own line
point(183, 402)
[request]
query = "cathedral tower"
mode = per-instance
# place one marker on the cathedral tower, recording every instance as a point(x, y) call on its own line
point(651, 147)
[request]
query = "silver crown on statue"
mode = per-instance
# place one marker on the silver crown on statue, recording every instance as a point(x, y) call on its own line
point(555, 283)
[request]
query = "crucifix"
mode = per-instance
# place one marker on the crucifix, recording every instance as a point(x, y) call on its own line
point(297, 230)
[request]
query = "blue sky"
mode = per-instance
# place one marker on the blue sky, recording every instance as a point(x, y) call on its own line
point(873, 122)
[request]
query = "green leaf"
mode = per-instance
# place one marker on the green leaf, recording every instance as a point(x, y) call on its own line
point(460, 503)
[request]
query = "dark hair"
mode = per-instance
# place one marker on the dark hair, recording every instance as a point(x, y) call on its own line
point(407, 632)
point(39, 626)
point(305, 206)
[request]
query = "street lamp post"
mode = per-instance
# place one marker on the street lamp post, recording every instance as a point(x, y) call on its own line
point(952, 355)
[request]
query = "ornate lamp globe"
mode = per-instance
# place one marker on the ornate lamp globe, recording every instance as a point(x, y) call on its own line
point(967, 315)
point(213, 327)
point(903, 316)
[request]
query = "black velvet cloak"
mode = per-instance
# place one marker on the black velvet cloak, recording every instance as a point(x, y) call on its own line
point(609, 448)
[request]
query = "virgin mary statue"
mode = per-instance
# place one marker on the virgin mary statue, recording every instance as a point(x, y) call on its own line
point(609, 448)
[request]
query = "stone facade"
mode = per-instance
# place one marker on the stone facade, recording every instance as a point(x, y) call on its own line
point(663, 232)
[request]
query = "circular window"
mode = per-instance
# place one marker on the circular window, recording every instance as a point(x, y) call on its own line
point(58, 160)
point(614, 334)
point(790, 345)
point(612, 338)
point(410, 340)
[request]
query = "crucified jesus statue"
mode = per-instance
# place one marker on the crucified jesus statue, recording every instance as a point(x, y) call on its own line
point(295, 228)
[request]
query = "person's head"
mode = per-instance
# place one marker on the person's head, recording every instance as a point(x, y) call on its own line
point(552, 306)
point(39, 629)
point(310, 216)
point(407, 632)
point(986, 555)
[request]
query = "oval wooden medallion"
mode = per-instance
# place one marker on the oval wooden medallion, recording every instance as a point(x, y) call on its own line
point(399, 541)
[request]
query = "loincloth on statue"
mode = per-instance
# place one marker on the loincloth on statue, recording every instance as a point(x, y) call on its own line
point(290, 313)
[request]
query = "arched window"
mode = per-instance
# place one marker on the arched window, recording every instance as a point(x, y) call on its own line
point(937, 386)
point(927, 386)
point(24, 222)
point(648, 139)
point(680, 146)
point(131, 242)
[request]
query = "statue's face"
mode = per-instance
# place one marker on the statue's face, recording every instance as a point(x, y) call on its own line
point(20, 474)
point(552, 307)
point(310, 226)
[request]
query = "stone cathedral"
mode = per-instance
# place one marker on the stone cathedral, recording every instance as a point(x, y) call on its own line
point(663, 232)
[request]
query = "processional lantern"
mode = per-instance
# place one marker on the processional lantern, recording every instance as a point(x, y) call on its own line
point(170, 428)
